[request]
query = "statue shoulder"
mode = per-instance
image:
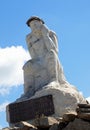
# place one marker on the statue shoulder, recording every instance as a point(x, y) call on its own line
point(29, 37)
point(53, 36)
point(52, 33)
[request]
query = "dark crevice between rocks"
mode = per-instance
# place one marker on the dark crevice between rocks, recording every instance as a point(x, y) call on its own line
point(62, 125)
point(43, 129)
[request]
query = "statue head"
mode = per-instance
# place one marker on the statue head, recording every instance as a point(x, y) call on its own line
point(34, 18)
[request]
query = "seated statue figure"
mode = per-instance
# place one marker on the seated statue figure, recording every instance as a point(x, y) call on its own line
point(44, 66)
point(43, 75)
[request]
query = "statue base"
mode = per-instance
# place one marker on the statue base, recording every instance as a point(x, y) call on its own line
point(65, 97)
point(30, 109)
point(53, 99)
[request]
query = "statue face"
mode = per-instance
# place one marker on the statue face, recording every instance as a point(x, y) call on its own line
point(35, 24)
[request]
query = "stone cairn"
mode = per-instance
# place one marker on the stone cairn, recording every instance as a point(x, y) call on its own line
point(49, 102)
point(83, 111)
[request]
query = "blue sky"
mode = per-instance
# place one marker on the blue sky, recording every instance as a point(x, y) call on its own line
point(70, 19)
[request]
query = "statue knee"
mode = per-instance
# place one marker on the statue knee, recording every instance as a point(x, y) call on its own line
point(51, 55)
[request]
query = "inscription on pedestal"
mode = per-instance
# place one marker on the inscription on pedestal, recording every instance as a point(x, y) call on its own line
point(29, 109)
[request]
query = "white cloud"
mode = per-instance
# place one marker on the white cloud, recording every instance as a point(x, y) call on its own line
point(88, 99)
point(11, 62)
point(3, 106)
point(0, 127)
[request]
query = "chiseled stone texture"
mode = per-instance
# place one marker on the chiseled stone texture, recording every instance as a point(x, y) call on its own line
point(78, 124)
point(65, 97)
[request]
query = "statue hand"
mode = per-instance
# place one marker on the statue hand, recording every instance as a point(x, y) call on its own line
point(44, 30)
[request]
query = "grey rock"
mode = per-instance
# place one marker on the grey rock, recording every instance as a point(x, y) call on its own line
point(69, 116)
point(83, 110)
point(78, 124)
point(85, 116)
point(44, 122)
point(83, 105)
point(54, 127)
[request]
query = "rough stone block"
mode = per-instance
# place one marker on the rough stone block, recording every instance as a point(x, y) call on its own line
point(78, 124)
point(30, 109)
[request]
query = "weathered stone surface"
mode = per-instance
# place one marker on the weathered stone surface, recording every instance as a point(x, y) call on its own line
point(78, 124)
point(44, 122)
point(26, 124)
point(83, 105)
point(65, 97)
point(85, 116)
point(69, 116)
point(21, 126)
point(83, 111)
point(50, 123)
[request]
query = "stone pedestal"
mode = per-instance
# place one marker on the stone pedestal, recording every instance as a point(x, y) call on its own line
point(30, 109)
point(65, 97)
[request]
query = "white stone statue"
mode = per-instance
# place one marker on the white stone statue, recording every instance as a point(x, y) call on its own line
point(43, 74)
point(44, 67)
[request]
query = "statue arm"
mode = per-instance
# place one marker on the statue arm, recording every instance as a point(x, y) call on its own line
point(28, 37)
point(49, 38)
point(49, 43)
point(53, 36)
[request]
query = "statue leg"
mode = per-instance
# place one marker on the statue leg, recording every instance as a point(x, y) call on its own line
point(54, 68)
point(28, 85)
point(51, 64)
point(61, 75)
point(28, 78)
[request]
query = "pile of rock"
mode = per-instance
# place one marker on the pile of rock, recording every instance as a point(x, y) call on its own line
point(40, 123)
point(70, 121)
point(83, 111)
